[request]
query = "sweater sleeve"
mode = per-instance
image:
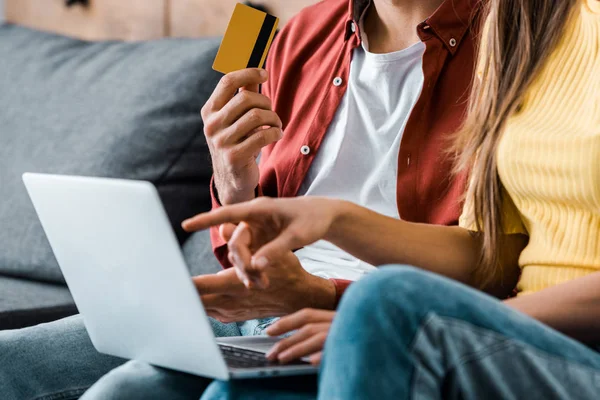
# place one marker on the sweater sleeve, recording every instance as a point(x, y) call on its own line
point(512, 222)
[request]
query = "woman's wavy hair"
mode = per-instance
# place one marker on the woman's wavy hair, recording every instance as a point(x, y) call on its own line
point(517, 38)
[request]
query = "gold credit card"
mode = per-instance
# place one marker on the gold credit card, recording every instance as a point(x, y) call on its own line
point(247, 40)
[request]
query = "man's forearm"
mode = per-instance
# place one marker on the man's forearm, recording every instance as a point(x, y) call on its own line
point(572, 308)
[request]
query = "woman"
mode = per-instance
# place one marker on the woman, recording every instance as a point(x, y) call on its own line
point(532, 214)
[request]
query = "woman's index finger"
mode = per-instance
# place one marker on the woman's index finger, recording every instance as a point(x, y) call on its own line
point(227, 214)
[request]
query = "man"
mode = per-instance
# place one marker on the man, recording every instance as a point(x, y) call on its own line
point(357, 104)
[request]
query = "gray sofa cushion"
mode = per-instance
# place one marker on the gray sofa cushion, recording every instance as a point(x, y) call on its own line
point(26, 303)
point(109, 109)
point(198, 254)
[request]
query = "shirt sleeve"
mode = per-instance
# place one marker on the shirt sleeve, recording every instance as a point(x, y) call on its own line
point(218, 244)
point(341, 285)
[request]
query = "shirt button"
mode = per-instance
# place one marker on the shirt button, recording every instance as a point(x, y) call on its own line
point(337, 81)
point(305, 150)
point(353, 27)
point(452, 42)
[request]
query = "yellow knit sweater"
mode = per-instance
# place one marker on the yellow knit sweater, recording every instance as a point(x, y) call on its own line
point(549, 160)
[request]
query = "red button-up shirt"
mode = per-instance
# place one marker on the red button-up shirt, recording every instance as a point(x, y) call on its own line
point(309, 67)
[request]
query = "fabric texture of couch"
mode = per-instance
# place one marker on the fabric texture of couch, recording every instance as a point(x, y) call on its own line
point(111, 109)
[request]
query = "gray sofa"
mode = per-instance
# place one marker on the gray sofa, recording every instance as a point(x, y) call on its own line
point(112, 109)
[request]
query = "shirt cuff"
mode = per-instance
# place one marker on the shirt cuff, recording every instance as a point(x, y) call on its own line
point(218, 244)
point(341, 285)
point(216, 203)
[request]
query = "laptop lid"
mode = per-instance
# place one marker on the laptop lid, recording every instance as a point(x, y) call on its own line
point(124, 267)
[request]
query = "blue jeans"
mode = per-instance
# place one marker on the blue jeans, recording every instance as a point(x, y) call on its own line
point(58, 361)
point(138, 380)
point(402, 333)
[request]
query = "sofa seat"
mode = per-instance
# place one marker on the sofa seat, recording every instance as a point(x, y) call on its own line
point(26, 302)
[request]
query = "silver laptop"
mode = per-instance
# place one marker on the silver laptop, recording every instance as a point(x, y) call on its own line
point(124, 267)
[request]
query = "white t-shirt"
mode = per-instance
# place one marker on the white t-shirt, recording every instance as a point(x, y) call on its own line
point(358, 159)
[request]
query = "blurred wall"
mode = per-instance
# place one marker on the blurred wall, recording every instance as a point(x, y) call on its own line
point(1, 10)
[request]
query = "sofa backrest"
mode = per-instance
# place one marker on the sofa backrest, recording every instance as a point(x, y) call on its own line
point(112, 109)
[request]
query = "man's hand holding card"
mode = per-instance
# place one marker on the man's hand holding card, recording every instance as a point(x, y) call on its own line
point(238, 120)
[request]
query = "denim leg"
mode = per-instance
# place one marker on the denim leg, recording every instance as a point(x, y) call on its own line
point(139, 380)
point(256, 327)
point(50, 361)
point(403, 333)
point(292, 388)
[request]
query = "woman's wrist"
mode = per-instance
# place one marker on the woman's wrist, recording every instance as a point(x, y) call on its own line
point(341, 212)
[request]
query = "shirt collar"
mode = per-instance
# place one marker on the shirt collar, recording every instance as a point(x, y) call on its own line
point(357, 8)
point(450, 22)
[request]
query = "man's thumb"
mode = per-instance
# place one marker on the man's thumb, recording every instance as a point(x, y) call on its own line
point(226, 231)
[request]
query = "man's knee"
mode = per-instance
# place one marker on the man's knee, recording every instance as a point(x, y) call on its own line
point(130, 381)
point(39, 343)
point(139, 380)
point(220, 390)
point(17, 352)
point(27, 355)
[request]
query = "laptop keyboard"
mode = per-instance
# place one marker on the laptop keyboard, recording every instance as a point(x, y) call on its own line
point(241, 358)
